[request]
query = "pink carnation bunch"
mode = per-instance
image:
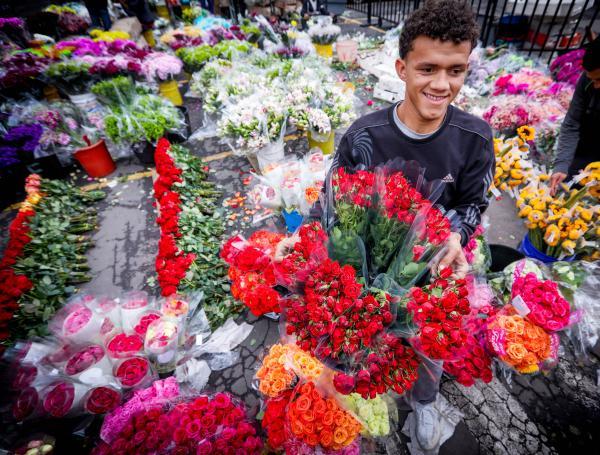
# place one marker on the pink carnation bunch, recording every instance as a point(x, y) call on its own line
point(161, 66)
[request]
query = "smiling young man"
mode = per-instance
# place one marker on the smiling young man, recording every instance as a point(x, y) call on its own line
point(451, 145)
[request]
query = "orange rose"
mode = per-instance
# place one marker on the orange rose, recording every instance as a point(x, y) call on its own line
point(297, 427)
point(312, 439)
point(516, 351)
point(340, 435)
point(320, 408)
point(326, 438)
point(303, 403)
point(328, 418)
point(309, 415)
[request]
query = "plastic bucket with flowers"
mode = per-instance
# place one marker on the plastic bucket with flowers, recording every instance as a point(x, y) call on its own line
point(527, 248)
point(347, 50)
point(170, 90)
point(325, 142)
point(324, 50)
point(95, 159)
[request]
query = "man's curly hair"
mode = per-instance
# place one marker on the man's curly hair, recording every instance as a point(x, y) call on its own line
point(446, 20)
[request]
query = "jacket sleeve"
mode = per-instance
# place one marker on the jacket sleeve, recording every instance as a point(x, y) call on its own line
point(472, 188)
point(569, 130)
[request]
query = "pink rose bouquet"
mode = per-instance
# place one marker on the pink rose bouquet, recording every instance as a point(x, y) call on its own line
point(548, 308)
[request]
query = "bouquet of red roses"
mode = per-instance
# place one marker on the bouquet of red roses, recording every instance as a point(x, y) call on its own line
point(350, 196)
point(252, 271)
point(400, 194)
point(389, 365)
point(202, 425)
point(332, 320)
point(437, 310)
point(308, 251)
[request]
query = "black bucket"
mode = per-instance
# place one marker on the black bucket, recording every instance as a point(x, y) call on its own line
point(503, 256)
point(144, 152)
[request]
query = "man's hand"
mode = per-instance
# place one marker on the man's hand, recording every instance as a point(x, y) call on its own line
point(284, 247)
point(556, 179)
point(454, 257)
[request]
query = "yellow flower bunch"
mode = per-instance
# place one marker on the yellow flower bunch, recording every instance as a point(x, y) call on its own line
point(513, 167)
point(188, 30)
point(526, 133)
point(559, 226)
point(591, 178)
point(110, 36)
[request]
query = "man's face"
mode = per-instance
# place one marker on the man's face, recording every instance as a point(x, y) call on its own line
point(594, 76)
point(434, 72)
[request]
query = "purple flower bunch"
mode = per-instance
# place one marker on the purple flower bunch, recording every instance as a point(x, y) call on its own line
point(568, 67)
point(21, 69)
point(114, 65)
point(18, 141)
point(85, 46)
point(11, 22)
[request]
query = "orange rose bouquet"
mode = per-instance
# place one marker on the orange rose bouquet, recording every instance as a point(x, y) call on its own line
point(519, 343)
point(282, 366)
point(315, 420)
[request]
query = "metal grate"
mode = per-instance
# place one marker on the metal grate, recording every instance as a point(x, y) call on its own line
point(538, 27)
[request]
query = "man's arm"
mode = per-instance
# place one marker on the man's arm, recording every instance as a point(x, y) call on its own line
point(569, 130)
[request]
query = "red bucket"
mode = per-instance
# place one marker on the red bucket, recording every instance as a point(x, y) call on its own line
point(95, 159)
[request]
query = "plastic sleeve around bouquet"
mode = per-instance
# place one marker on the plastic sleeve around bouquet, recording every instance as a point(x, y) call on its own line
point(63, 398)
point(423, 242)
point(77, 322)
point(161, 344)
point(348, 196)
point(117, 91)
point(101, 399)
point(580, 282)
point(400, 192)
point(90, 365)
point(316, 422)
point(133, 305)
point(519, 344)
point(133, 372)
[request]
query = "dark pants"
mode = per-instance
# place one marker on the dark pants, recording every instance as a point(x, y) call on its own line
point(427, 385)
point(100, 18)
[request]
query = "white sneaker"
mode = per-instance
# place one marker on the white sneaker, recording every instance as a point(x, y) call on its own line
point(428, 425)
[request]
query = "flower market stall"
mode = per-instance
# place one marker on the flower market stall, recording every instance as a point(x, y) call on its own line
point(174, 279)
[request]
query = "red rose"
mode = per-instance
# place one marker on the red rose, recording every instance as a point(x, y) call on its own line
point(100, 400)
point(59, 399)
point(132, 371)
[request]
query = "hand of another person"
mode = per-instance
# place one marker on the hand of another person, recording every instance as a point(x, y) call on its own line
point(556, 179)
point(284, 247)
point(454, 257)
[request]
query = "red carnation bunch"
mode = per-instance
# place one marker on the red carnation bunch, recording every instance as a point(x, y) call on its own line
point(171, 262)
point(390, 365)
point(438, 310)
point(252, 272)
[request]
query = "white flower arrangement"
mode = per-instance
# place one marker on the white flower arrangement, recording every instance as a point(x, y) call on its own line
point(324, 34)
point(318, 121)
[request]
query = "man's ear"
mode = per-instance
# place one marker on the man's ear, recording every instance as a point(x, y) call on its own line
point(401, 69)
